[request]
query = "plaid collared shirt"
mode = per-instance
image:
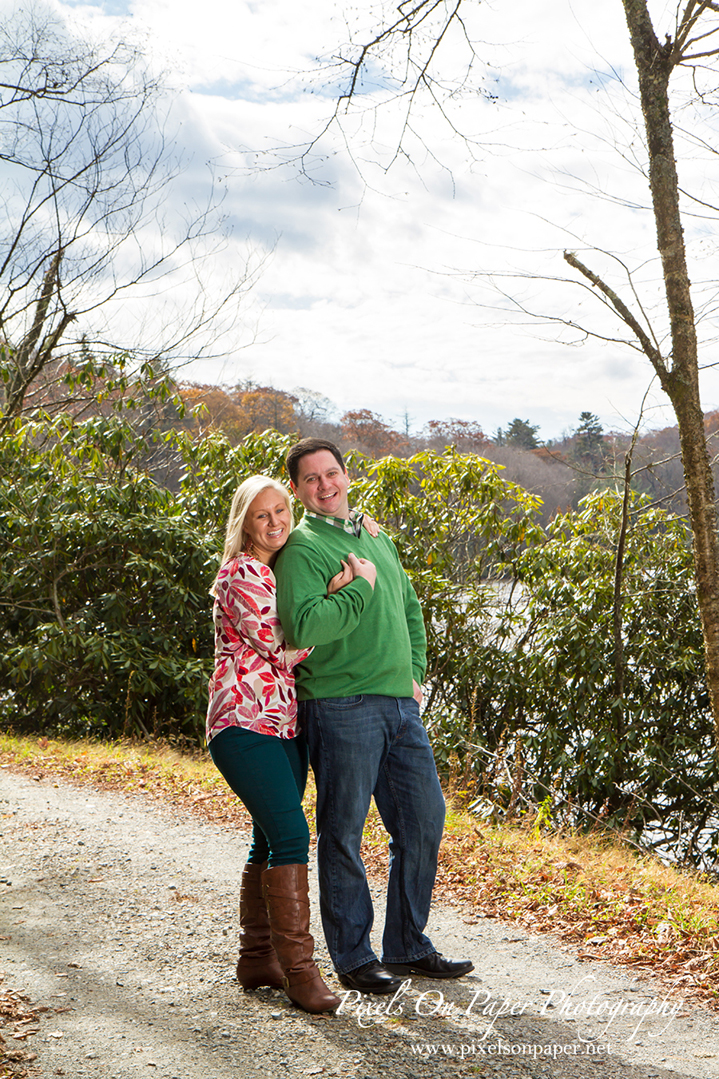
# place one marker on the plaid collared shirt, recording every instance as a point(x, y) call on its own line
point(353, 525)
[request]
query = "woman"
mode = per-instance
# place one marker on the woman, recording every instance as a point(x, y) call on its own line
point(254, 741)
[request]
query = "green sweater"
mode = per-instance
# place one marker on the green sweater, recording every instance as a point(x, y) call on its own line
point(366, 641)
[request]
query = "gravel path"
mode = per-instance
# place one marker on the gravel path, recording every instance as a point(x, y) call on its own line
point(119, 917)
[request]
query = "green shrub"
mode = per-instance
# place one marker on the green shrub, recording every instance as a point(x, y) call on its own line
point(106, 618)
point(104, 577)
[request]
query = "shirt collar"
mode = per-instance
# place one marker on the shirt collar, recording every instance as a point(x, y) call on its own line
point(353, 526)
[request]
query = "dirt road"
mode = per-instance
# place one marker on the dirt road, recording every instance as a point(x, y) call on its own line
point(119, 917)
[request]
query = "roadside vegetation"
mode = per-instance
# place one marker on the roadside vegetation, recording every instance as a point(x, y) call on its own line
point(596, 892)
point(565, 659)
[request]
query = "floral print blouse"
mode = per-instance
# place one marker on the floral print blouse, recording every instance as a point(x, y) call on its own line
point(253, 685)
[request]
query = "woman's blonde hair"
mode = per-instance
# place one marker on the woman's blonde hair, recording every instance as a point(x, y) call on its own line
point(246, 493)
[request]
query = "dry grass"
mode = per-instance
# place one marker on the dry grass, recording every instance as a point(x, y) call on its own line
point(154, 770)
point(607, 900)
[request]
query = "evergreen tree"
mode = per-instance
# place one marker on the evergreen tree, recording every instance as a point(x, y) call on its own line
point(589, 449)
point(522, 434)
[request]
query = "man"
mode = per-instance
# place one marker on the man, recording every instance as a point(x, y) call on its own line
point(359, 694)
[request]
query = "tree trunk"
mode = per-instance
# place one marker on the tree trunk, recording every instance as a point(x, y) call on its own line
point(680, 380)
point(700, 495)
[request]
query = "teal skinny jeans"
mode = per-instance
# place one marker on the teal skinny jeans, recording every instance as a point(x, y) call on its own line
point(268, 775)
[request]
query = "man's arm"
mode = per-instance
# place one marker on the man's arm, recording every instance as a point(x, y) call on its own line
point(417, 634)
point(306, 612)
point(248, 598)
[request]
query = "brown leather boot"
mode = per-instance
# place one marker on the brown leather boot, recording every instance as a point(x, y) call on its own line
point(257, 965)
point(285, 890)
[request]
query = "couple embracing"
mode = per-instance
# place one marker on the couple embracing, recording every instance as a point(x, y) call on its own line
point(337, 626)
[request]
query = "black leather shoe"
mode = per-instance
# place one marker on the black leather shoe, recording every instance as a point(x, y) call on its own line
point(371, 977)
point(433, 966)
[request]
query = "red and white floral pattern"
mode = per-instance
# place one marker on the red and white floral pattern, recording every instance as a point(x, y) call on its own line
point(253, 685)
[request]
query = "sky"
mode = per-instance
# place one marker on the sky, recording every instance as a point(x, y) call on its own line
point(427, 283)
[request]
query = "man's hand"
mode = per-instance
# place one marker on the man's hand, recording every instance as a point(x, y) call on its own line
point(362, 567)
point(340, 579)
point(417, 693)
point(370, 525)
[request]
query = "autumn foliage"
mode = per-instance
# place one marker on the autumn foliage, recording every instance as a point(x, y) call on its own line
point(238, 411)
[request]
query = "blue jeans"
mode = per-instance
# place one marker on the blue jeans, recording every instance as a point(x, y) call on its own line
point(359, 747)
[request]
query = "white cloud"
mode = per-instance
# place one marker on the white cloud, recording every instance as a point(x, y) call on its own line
point(369, 296)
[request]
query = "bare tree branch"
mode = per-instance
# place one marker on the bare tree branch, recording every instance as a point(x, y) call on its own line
point(651, 351)
point(86, 215)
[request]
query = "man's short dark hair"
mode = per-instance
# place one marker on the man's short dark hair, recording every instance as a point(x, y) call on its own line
point(310, 445)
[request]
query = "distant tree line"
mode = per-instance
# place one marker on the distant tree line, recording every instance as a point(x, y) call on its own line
point(561, 471)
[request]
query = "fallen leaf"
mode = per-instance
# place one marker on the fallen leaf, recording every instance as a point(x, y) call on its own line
point(664, 932)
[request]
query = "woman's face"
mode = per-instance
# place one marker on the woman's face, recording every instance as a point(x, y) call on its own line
point(267, 524)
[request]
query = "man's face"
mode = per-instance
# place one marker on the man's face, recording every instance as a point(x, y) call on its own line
point(322, 485)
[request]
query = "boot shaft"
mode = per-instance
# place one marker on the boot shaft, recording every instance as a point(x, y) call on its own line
point(284, 888)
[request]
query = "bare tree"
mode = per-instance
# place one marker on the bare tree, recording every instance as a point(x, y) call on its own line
point(418, 31)
point(678, 371)
point(87, 219)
